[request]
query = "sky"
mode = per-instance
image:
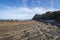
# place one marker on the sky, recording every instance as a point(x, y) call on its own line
point(26, 9)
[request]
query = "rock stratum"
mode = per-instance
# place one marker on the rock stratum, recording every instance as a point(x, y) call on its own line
point(28, 30)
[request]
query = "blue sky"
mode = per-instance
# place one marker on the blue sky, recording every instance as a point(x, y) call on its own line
point(26, 9)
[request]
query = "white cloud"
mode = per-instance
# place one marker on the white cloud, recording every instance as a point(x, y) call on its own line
point(22, 12)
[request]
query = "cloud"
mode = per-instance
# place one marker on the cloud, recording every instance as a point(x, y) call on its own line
point(24, 2)
point(22, 12)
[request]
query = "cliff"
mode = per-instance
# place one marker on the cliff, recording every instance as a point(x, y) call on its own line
point(55, 15)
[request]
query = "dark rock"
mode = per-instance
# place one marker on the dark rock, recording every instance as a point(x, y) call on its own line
point(51, 15)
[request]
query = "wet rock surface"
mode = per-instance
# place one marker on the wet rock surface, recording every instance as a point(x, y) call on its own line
point(28, 30)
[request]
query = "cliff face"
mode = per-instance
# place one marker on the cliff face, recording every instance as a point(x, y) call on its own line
point(37, 17)
point(55, 15)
